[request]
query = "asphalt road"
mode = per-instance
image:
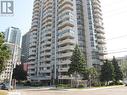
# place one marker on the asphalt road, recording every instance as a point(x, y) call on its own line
point(94, 91)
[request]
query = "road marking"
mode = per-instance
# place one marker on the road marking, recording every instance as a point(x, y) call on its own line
point(14, 93)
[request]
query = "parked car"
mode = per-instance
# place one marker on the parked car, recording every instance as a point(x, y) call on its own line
point(125, 82)
point(1, 84)
point(5, 86)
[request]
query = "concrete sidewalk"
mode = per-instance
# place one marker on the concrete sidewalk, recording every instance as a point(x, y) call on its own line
point(97, 88)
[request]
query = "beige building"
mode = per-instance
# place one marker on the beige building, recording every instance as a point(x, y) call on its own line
point(57, 26)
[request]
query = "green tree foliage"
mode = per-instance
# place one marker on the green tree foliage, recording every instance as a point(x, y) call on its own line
point(107, 72)
point(19, 74)
point(93, 73)
point(77, 62)
point(124, 69)
point(4, 53)
point(118, 75)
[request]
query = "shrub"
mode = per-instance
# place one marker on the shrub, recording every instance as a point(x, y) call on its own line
point(81, 86)
point(64, 85)
point(28, 83)
point(96, 84)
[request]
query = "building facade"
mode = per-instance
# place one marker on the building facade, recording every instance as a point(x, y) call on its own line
point(57, 26)
point(13, 35)
point(25, 48)
point(12, 40)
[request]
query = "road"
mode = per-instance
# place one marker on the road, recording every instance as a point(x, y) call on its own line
point(94, 91)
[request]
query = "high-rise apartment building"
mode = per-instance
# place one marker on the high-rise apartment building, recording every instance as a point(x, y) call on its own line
point(12, 40)
point(25, 48)
point(13, 35)
point(57, 26)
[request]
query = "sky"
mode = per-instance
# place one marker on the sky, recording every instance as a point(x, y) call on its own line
point(21, 18)
point(115, 19)
point(114, 14)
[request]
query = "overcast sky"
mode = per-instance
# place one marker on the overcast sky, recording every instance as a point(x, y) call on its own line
point(115, 23)
point(114, 14)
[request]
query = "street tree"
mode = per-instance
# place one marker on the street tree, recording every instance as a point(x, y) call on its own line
point(118, 75)
point(77, 65)
point(19, 74)
point(77, 62)
point(124, 69)
point(107, 72)
point(91, 75)
point(4, 53)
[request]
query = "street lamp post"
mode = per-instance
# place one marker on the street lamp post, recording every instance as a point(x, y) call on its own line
point(71, 80)
point(13, 66)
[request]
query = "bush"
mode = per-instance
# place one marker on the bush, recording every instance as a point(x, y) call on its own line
point(28, 83)
point(81, 86)
point(96, 84)
point(102, 83)
point(36, 84)
point(64, 85)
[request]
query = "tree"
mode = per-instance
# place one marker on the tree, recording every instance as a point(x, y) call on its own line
point(77, 65)
point(19, 74)
point(107, 72)
point(124, 69)
point(77, 62)
point(4, 53)
point(118, 75)
point(91, 75)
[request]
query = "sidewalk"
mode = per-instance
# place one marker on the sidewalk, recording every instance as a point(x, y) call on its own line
point(93, 88)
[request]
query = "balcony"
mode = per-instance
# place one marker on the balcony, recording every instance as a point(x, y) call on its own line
point(63, 2)
point(101, 57)
point(64, 55)
point(46, 48)
point(64, 77)
point(64, 62)
point(99, 30)
point(102, 52)
point(36, 3)
point(63, 70)
point(66, 41)
point(47, 19)
point(101, 41)
point(47, 1)
point(61, 19)
point(66, 35)
point(101, 36)
point(66, 23)
point(66, 48)
point(45, 71)
point(31, 67)
point(47, 7)
point(32, 57)
point(65, 7)
point(47, 53)
point(47, 24)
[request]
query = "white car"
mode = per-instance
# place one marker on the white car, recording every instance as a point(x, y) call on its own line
point(125, 81)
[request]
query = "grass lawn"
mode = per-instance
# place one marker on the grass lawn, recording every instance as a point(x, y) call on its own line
point(3, 92)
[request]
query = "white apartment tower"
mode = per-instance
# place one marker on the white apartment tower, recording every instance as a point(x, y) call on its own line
point(57, 26)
